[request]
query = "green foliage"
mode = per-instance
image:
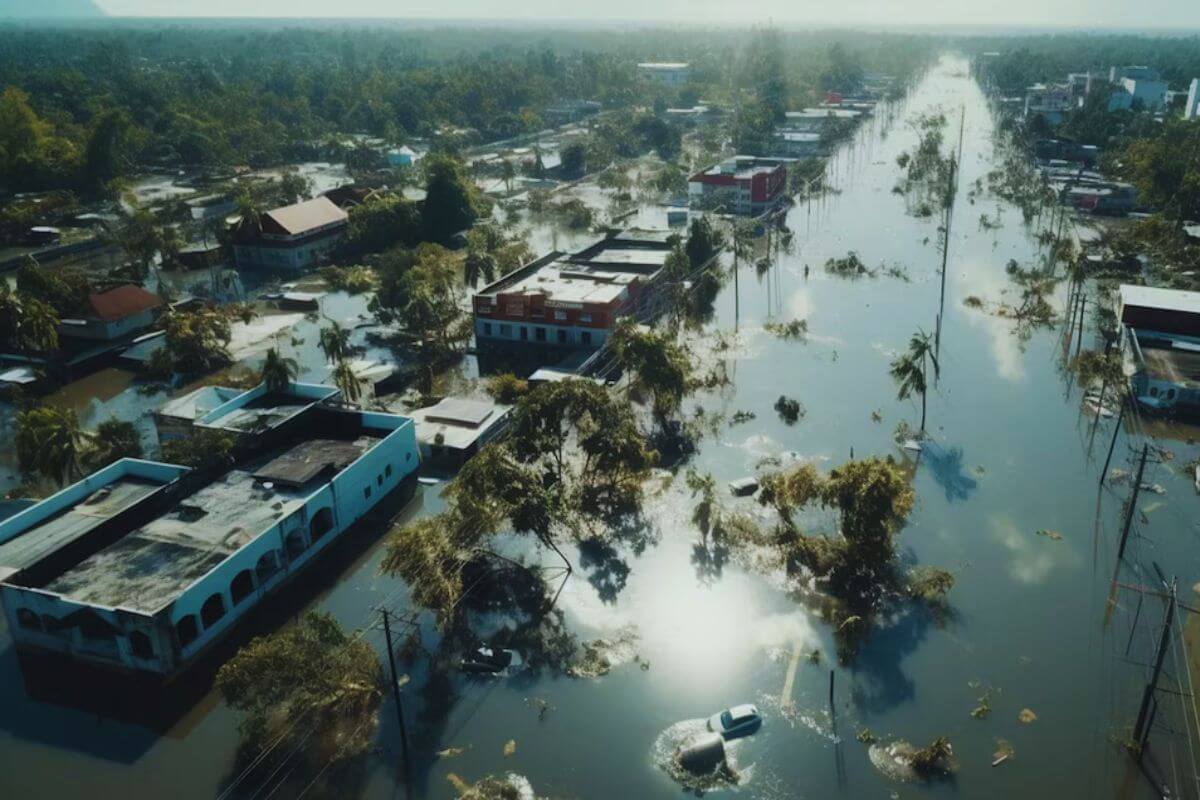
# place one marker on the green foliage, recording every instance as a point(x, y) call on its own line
point(452, 202)
point(66, 290)
point(351, 280)
point(347, 382)
point(910, 369)
point(1165, 178)
point(704, 242)
point(278, 371)
point(334, 341)
point(507, 388)
point(195, 342)
point(419, 292)
point(384, 221)
point(203, 449)
point(49, 443)
point(27, 323)
point(309, 677)
point(574, 161)
point(114, 439)
point(933, 759)
point(658, 366)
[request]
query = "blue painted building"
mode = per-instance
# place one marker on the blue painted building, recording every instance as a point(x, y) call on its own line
point(143, 566)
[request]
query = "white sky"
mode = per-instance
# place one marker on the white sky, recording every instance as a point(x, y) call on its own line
point(1071, 13)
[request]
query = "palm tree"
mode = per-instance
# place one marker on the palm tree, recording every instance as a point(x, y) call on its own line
point(479, 263)
point(278, 371)
point(507, 173)
point(37, 328)
point(49, 442)
point(743, 242)
point(910, 369)
point(347, 382)
point(334, 342)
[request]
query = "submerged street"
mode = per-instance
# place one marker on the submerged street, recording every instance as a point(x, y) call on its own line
point(1034, 621)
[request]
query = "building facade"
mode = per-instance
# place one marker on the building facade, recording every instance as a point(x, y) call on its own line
point(292, 238)
point(1161, 347)
point(115, 314)
point(573, 300)
point(143, 566)
point(743, 185)
point(666, 73)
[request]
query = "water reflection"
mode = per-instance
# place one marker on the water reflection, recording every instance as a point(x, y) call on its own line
point(946, 466)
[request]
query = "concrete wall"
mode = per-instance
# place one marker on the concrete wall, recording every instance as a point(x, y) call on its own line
point(293, 258)
point(76, 492)
point(555, 335)
point(99, 330)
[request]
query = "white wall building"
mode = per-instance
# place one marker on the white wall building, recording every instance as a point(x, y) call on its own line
point(143, 566)
point(666, 73)
point(1191, 109)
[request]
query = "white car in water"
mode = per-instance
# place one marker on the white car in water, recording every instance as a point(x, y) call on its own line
point(736, 722)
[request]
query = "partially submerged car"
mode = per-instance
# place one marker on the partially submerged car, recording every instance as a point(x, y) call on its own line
point(487, 660)
point(736, 722)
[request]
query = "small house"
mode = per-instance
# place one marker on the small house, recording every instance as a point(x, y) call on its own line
point(1162, 346)
point(452, 431)
point(291, 238)
point(115, 314)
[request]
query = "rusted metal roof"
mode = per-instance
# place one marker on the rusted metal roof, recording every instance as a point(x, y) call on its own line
point(122, 302)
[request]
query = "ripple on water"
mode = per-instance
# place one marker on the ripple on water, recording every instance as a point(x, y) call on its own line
point(666, 749)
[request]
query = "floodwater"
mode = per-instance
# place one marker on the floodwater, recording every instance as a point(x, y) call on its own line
point(1012, 455)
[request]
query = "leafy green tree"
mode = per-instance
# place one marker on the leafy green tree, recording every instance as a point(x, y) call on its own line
point(111, 148)
point(113, 440)
point(49, 443)
point(27, 323)
point(195, 342)
point(507, 388)
point(293, 187)
point(452, 202)
point(419, 292)
point(66, 289)
point(1164, 169)
point(574, 160)
point(141, 238)
point(703, 243)
point(203, 448)
point(384, 221)
point(278, 371)
point(311, 677)
point(910, 370)
point(657, 365)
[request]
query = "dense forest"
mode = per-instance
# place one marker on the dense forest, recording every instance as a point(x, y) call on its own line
point(85, 105)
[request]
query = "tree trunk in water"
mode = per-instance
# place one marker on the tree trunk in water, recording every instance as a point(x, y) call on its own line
point(922, 412)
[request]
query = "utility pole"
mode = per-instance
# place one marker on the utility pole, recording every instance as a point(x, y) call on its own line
point(387, 632)
point(1141, 729)
point(1113, 443)
point(1082, 309)
point(1137, 488)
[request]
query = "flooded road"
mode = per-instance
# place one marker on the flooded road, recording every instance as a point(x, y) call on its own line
point(1011, 455)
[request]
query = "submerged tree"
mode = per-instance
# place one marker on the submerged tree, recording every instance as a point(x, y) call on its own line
point(910, 370)
point(113, 440)
point(334, 341)
point(658, 368)
point(194, 343)
point(347, 382)
point(311, 686)
point(203, 448)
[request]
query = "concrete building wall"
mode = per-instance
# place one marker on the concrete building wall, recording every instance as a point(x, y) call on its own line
point(105, 331)
point(1191, 109)
point(527, 333)
point(287, 258)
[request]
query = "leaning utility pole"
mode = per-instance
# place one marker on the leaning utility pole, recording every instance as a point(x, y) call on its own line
point(1145, 717)
point(387, 632)
point(1137, 488)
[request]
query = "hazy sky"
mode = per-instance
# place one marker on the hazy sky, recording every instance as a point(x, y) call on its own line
point(1072, 13)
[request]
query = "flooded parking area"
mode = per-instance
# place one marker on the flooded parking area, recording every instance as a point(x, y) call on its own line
point(674, 632)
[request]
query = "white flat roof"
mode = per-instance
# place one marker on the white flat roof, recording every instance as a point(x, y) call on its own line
point(1164, 299)
point(570, 283)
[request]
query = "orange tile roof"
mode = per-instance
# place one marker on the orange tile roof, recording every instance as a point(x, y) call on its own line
point(122, 302)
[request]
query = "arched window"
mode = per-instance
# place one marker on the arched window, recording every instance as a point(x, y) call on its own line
point(28, 619)
point(141, 646)
point(267, 566)
point(186, 630)
point(322, 523)
point(241, 587)
point(212, 610)
point(295, 545)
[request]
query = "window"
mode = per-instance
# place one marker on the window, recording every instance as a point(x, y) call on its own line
point(1154, 391)
point(212, 610)
point(140, 645)
point(388, 470)
point(539, 334)
point(186, 630)
point(585, 317)
point(366, 492)
point(524, 334)
point(487, 329)
point(1170, 394)
point(295, 545)
point(560, 315)
point(322, 523)
point(585, 337)
point(506, 331)
point(241, 586)
point(562, 337)
point(28, 619)
point(267, 566)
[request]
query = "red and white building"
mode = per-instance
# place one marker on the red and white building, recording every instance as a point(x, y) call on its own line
point(571, 300)
point(746, 185)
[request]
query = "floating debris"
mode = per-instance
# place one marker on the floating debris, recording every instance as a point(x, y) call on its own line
point(542, 707)
point(740, 417)
point(1004, 752)
point(1049, 534)
point(866, 736)
point(510, 747)
point(1027, 716)
point(984, 708)
point(876, 416)
point(451, 752)
point(698, 759)
point(796, 329)
point(599, 656)
point(789, 409)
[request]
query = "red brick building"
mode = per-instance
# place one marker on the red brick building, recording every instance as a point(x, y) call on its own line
point(750, 185)
point(571, 300)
